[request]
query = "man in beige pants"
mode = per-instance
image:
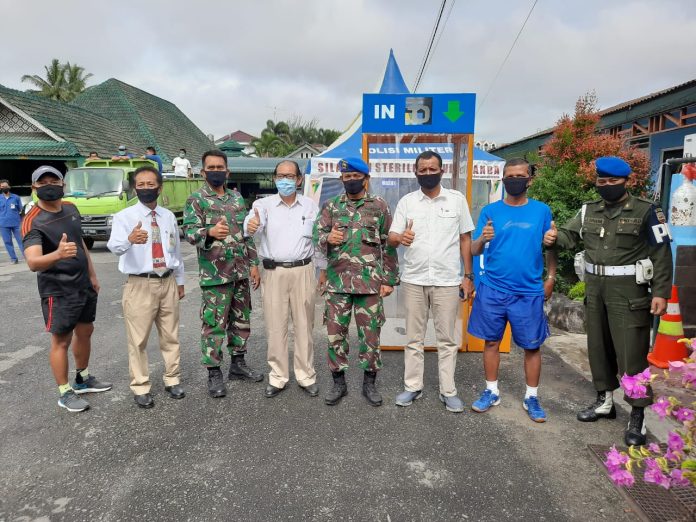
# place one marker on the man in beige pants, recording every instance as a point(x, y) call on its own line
point(435, 226)
point(282, 225)
point(145, 236)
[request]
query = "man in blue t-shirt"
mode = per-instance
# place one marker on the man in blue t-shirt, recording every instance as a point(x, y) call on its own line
point(509, 235)
point(152, 155)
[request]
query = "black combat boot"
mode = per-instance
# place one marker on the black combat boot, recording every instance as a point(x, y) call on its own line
point(603, 407)
point(240, 370)
point(370, 390)
point(339, 389)
point(635, 433)
point(216, 384)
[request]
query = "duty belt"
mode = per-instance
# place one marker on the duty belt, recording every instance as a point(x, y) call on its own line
point(271, 264)
point(601, 270)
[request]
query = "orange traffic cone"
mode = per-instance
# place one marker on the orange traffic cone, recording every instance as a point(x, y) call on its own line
point(667, 348)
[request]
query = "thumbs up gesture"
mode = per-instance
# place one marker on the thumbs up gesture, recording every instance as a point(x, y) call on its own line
point(408, 236)
point(335, 236)
point(551, 235)
point(66, 249)
point(254, 223)
point(221, 229)
point(488, 232)
point(138, 236)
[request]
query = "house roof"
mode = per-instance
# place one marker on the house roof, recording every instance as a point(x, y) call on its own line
point(239, 165)
point(100, 119)
point(147, 120)
point(239, 136)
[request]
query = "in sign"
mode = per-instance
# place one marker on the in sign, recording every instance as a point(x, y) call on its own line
point(383, 112)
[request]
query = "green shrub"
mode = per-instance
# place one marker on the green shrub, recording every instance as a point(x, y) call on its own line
point(577, 291)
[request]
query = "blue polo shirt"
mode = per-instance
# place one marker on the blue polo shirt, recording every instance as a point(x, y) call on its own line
point(156, 159)
point(10, 209)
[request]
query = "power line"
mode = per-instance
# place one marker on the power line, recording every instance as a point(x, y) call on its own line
point(490, 88)
point(430, 46)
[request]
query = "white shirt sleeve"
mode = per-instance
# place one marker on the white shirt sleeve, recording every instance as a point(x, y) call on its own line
point(118, 240)
point(179, 273)
point(318, 257)
point(399, 220)
point(465, 222)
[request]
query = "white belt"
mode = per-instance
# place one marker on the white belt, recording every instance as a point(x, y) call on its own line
point(600, 270)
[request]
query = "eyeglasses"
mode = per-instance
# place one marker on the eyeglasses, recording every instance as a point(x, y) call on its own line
point(292, 177)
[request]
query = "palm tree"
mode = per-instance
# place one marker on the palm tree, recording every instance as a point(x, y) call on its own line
point(269, 145)
point(63, 81)
point(76, 80)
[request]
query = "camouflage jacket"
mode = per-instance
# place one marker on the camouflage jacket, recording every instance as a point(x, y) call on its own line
point(225, 261)
point(363, 262)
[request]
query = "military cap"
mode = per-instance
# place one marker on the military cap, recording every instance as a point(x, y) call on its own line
point(612, 167)
point(353, 165)
point(45, 169)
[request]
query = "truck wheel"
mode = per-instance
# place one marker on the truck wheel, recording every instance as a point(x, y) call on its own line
point(89, 242)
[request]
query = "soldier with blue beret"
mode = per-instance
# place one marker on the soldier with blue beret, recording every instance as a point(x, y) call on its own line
point(351, 231)
point(627, 268)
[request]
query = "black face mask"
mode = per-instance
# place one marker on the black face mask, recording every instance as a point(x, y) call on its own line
point(354, 186)
point(515, 186)
point(147, 195)
point(429, 181)
point(50, 192)
point(6, 191)
point(216, 178)
point(612, 192)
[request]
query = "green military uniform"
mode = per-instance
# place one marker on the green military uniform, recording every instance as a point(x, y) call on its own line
point(223, 271)
point(618, 315)
point(356, 270)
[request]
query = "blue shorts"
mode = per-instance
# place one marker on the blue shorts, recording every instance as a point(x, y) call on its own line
point(493, 309)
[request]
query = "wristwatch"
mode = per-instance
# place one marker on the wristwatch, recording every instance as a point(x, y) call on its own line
point(470, 277)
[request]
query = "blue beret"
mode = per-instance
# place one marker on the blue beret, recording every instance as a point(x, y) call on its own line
point(353, 165)
point(612, 167)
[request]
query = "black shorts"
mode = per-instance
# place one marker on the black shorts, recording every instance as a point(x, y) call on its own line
point(63, 312)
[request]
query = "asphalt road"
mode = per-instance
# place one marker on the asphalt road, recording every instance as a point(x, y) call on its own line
point(246, 457)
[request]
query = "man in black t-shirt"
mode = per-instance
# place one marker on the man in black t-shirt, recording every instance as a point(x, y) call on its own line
point(68, 285)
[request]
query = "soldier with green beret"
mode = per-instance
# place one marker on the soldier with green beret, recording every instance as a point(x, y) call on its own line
point(213, 223)
point(352, 231)
point(627, 268)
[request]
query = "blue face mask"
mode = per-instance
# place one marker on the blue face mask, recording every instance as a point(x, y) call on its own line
point(286, 187)
point(216, 178)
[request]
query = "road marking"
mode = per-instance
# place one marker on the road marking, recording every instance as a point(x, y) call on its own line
point(13, 358)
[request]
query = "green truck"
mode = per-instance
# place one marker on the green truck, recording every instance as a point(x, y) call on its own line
point(101, 188)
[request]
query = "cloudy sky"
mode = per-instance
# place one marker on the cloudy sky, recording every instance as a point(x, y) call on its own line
point(233, 65)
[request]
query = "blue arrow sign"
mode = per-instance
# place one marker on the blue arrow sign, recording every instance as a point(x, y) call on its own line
point(419, 113)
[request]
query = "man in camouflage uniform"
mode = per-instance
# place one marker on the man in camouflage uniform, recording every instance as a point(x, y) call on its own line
point(352, 231)
point(618, 231)
point(213, 220)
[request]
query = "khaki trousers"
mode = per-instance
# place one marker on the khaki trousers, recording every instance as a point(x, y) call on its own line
point(289, 292)
point(147, 301)
point(444, 303)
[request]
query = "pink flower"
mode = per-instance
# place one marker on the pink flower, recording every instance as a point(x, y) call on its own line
point(689, 375)
point(654, 448)
point(676, 366)
point(678, 479)
point(675, 441)
point(653, 474)
point(634, 386)
point(661, 407)
point(621, 477)
point(683, 414)
point(615, 459)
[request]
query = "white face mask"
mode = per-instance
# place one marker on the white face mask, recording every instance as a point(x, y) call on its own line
point(182, 155)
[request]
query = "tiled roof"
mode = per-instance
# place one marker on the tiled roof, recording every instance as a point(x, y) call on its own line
point(147, 120)
point(238, 135)
point(34, 144)
point(85, 130)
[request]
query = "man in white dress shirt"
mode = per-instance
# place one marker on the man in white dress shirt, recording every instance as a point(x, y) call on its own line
point(145, 236)
point(283, 225)
point(434, 224)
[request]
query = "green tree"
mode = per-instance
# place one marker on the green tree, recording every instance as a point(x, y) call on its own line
point(565, 170)
point(63, 82)
point(281, 138)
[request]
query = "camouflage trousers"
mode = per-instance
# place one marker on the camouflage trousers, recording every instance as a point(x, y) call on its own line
point(225, 312)
point(369, 318)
